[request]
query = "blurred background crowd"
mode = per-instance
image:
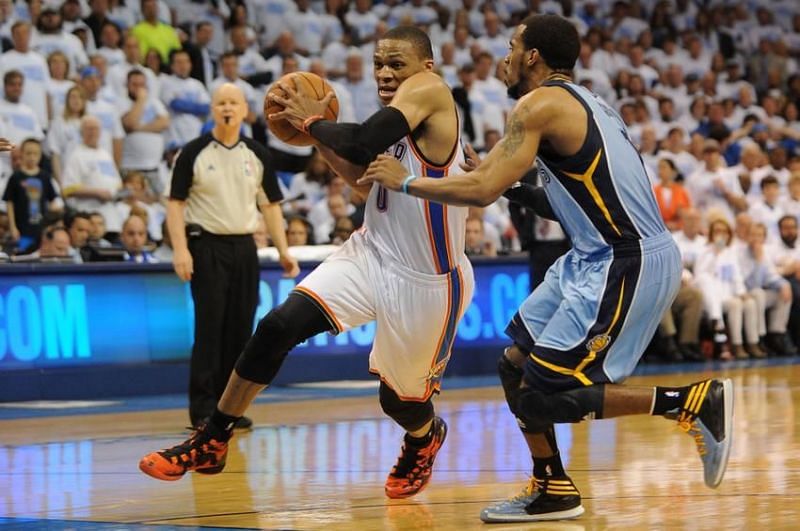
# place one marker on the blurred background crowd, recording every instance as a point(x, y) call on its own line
point(99, 96)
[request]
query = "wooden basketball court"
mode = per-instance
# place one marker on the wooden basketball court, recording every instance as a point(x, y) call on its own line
point(321, 465)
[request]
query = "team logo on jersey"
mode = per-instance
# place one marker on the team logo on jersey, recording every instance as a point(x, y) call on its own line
point(437, 370)
point(598, 342)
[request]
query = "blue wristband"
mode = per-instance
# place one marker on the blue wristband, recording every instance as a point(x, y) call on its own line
point(408, 180)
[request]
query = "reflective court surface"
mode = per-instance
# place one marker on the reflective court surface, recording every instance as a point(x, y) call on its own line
point(321, 464)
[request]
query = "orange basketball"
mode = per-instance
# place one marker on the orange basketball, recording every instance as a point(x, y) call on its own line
point(312, 85)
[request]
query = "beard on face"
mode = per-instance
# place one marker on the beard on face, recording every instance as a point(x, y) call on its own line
point(515, 91)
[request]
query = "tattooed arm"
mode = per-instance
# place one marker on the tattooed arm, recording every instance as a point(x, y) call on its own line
point(505, 164)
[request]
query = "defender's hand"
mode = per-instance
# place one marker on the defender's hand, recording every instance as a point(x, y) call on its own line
point(387, 171)
point(298, 106)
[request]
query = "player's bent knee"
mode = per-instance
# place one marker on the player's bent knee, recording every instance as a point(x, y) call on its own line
point(409, 414)
point(283, 328)
point(539, 409)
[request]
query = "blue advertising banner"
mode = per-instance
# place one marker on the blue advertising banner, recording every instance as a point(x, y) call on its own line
point(121, 314)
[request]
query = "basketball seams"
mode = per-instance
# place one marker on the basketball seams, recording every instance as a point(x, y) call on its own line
point(295, 137)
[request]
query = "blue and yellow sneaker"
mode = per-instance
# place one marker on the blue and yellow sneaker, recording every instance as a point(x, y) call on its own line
point(552, 498)
point(707, 415)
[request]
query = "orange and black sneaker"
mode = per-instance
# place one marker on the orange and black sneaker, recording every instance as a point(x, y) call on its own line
point(413, 469)
point(200, 453)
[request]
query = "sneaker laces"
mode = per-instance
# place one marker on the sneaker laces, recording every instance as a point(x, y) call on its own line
point(691, 428)
point(186, 452)
point(528, 490)
point(409, 461)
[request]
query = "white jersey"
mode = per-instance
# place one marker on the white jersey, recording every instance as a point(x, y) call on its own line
point(423, 236)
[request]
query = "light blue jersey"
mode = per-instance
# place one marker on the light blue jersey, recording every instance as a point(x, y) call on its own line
point(602, 194)
point(592, 317)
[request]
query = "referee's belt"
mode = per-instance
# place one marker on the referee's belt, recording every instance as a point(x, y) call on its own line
point(195, 231)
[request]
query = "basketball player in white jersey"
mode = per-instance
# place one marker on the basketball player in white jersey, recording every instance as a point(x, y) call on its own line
point(406, 269)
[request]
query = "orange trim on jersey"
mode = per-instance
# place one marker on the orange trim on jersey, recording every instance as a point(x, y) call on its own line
point(324, 307)
point(445, 227)
point(431, 238)
point(435, 383)
point(421, 158)
point(424, 398)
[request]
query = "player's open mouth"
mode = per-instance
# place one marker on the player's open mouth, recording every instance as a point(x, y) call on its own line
point(386, 93)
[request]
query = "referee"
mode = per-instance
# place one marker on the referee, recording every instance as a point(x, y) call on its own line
point(219, 183)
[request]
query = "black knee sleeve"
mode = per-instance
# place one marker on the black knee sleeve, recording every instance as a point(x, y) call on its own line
point(510, 379)
point(539, 410)
point(409, 414)
point(277, 333)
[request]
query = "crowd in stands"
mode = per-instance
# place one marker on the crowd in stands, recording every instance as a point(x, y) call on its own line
point(99, 96)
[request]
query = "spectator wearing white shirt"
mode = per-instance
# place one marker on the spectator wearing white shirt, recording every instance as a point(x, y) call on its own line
point(719, 277)
point(791, 204)
point(65, 130)
point(698, 61)
point(777, 166)
point(270, 17)
point(105, 93)
point(134, 241)
point(446, 65)
point(285, 48)
point(144, 118)
point(51, 36)
point(90, 177)
point(309, 28)
point(137, 198)
point(772, 293)
point(58, 66)
point(251, 63)
point(494, 40)
point(307, 188)
point(362, 88)
point(713, 186)
point(673, 147)
point(690, 239)
point(463, 42)
point(32, 66)
point(112, 133)
point(19, 119)
point(323, 215)
point(117, 76)
point(637, 66)
point(493, 90)
point(110, 43)
point(362, 19)
point(186, 99)
point(786, 257)
point(748, 172)
point(768, 210)
point(584, 69)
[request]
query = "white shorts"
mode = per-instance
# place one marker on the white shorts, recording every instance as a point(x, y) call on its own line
point(417, 314)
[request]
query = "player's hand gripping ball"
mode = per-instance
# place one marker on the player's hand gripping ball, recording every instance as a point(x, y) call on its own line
point(303, 93)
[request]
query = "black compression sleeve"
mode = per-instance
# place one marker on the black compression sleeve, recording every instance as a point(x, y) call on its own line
point(361, 143)
point(533, 197)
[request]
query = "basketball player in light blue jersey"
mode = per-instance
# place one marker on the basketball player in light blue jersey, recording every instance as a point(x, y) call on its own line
point(582, 331)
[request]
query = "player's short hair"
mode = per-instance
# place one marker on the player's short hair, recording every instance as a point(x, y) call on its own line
point(418, 39)
point(556, 39)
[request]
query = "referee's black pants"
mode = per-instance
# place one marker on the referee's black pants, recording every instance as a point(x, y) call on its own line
point(225, 292)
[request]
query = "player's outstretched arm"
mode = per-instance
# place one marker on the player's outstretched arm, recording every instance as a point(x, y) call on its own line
point(505, 164)
point(416, 99)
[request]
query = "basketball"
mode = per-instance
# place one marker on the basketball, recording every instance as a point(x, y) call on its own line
point(310, 84)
